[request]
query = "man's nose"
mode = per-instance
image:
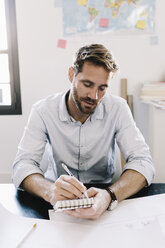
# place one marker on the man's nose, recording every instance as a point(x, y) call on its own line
point(93, 94)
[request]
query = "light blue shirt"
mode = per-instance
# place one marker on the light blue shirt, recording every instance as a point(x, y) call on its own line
point(88, 149)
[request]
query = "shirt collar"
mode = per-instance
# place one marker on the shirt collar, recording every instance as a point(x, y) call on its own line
point(64, 115)
point(99, 112)
point(63, 112)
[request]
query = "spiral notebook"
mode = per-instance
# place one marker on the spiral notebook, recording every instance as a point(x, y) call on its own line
point(73, 204)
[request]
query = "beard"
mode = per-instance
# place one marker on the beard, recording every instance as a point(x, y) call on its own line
point(79, 103)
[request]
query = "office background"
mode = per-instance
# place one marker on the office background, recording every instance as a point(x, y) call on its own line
point(44, 66)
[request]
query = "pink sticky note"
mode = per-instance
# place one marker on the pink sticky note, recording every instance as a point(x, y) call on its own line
point(104, 22)
point(61, 43)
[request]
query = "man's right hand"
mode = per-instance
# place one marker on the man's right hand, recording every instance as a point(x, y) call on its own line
point(66, 187)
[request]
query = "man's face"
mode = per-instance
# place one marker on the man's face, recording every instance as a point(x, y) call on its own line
point(89, 87)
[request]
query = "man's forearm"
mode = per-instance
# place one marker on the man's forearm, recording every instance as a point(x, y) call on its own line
point(38, 185)
point(128, 184)
point(65, 187)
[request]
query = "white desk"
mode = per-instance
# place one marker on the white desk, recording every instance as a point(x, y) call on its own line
point(135, 223)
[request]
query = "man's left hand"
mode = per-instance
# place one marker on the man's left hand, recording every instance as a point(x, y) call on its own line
point(101, 203)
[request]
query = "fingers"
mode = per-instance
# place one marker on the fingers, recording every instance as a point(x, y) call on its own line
point(91, 213)
point(92, 192)
point(100, 205)
point(75, 182)
point(69, 187)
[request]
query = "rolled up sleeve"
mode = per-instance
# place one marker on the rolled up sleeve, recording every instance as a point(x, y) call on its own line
point(133, 146)
point(30, 149)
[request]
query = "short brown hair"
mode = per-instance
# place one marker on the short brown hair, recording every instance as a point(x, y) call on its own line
point(96, 54)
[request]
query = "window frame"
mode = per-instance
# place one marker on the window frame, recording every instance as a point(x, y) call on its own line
point(15, 108)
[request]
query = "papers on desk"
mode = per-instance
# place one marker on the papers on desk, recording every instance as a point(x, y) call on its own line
point(134, 213)
point(135, 223)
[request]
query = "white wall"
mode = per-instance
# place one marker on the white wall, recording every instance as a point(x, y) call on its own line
point(43, 66)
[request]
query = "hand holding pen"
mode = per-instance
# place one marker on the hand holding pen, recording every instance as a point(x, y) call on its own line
point(70, 174)
point(65, 188)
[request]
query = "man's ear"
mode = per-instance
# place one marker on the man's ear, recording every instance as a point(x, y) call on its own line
point(71, 73)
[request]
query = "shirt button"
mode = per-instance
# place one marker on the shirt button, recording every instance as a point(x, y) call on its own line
point(81, 163)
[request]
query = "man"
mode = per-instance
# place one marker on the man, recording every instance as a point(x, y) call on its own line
point(81, 127)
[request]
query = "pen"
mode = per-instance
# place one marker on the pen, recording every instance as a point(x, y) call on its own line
point(32, 228)
point(70, 174)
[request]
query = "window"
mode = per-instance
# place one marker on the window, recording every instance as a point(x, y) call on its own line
point(10, 97)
